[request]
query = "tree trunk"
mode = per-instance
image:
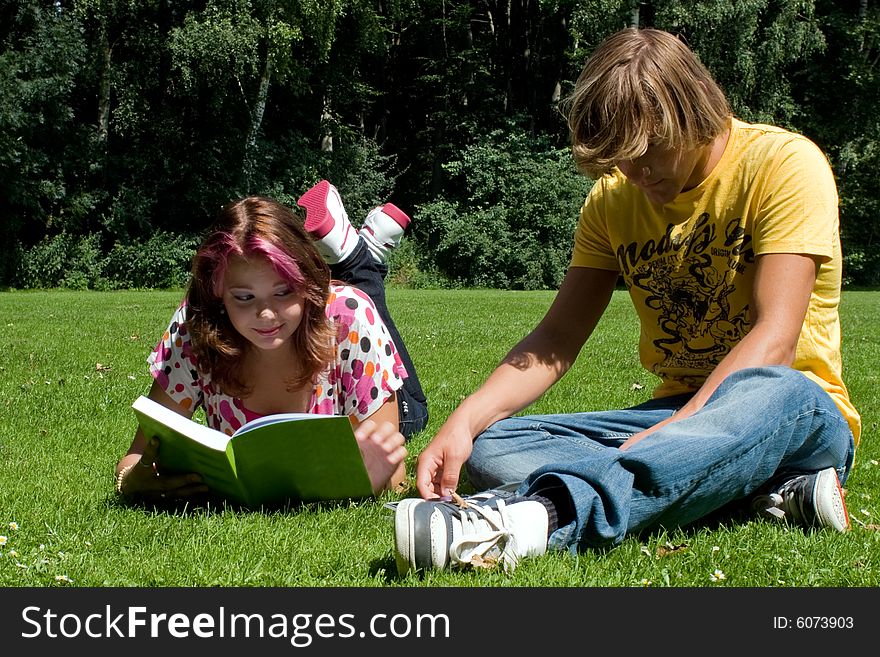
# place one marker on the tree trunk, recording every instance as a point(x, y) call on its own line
point(326, 127)
point(259, 107)
point(257, 111)
point(104, 97)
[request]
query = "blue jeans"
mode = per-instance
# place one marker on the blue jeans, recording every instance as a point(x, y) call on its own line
point(759, 422)
point(362, 271)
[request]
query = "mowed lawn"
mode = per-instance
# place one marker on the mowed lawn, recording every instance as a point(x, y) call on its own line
point(71, 364)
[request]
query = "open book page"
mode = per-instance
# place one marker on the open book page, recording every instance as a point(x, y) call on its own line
point(144, 406)
point(271, 419)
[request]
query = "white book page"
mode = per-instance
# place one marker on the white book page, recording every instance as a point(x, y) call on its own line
point(177, 422)
point(278, 417)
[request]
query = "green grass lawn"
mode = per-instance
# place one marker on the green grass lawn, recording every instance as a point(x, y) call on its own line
point(71, 364)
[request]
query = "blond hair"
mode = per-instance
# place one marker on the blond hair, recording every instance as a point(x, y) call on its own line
point(641, 87)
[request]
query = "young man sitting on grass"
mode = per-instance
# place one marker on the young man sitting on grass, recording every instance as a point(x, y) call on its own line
point(726, 236)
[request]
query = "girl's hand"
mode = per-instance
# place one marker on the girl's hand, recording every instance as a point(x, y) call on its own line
point(143, 480)
point(382, 448)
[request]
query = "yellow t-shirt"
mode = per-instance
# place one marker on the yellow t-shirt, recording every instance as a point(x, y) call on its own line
point(690, 264)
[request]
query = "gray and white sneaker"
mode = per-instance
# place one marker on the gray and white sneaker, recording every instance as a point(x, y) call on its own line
point(478, 531)
point(809, 499)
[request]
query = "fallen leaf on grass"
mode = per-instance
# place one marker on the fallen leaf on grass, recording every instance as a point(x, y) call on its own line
point(459, 500)
point(669, 548)
point(483, 562)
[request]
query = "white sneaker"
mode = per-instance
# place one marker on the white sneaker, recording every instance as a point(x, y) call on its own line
point(383, 229)
point(813, 499)
point(327, 222)
point(478, 531)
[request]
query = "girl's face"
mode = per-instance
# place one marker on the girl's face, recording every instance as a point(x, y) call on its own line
point(261, 305)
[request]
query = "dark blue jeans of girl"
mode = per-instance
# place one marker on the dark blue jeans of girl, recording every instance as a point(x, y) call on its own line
point(362, 271)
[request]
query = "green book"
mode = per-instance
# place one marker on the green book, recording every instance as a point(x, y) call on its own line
point(270, 460)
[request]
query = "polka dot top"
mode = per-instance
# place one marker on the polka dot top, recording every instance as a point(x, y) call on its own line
point(366, 371)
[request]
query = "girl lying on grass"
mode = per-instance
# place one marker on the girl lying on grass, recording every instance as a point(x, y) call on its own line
point(267, 326)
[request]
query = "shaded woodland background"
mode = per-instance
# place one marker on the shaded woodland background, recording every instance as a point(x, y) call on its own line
point(125, 124)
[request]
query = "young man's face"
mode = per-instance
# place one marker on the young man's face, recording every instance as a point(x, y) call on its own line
point(662, 174)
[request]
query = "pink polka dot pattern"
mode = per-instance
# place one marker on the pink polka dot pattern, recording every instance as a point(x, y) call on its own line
point(366, 371)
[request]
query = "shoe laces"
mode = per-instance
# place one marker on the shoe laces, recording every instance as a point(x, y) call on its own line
point(787, 500)
point(484, 539)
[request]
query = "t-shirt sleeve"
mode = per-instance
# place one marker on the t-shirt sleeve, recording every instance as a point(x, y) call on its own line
point(173, 365)
point(592, 246)
point(368, 368)
point(799, 204)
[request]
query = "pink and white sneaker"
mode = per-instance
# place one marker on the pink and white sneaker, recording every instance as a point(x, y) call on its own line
point(383, 230)
point(327, 222)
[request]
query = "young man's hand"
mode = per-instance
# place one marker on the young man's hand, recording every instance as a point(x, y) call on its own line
point(439, 464)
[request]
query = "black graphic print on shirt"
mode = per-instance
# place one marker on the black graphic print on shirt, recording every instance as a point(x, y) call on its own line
point(689, 280)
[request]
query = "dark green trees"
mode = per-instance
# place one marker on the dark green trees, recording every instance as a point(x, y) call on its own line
point(124, 124)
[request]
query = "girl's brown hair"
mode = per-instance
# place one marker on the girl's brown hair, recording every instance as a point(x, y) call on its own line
point(257, 227)
point(641, 87)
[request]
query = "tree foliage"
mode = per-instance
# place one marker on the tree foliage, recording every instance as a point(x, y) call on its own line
point(42, 146)
point(514, 226)
point(124, 124)
point(841, 100)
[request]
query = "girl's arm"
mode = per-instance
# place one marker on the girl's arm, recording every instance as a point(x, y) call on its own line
point(136, 472)
point(382, 446)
